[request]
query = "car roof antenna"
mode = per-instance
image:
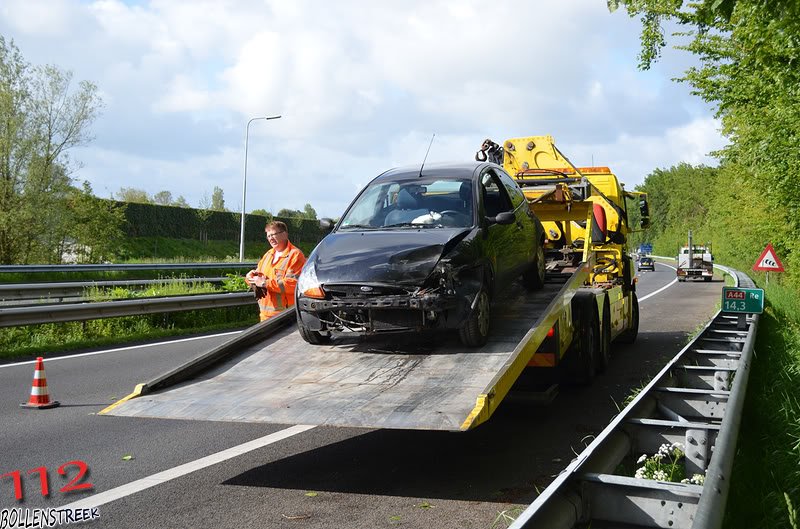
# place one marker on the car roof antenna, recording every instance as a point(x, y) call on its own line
point(426, 155)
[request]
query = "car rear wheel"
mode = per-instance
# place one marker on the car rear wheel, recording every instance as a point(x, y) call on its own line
point(533, 277)
point(475, 331)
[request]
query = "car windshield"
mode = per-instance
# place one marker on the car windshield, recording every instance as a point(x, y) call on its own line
point(418, 203)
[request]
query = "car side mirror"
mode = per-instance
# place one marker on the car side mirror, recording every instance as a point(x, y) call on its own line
point(506, 217)
point(326, 225)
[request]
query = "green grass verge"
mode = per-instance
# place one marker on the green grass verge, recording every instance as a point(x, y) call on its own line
point(765, 487)
point(34, 340)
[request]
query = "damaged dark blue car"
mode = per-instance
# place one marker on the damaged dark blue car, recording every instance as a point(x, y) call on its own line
point(422, 249)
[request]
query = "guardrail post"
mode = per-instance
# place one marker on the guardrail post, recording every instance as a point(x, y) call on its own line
point(741, 322)
point(696, 458)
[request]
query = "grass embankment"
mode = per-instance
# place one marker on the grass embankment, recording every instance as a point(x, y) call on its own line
point(42, 339)
point(31, 340)
point(765, 488)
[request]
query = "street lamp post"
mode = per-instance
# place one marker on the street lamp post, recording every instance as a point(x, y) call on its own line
point(244, 182)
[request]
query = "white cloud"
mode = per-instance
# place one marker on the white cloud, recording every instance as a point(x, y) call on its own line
point(361, 87)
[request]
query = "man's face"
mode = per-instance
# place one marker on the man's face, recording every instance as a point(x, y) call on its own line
point(277, 238)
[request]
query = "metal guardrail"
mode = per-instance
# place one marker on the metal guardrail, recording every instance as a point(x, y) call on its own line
point(71, 289)
point(696, 400)
point(10, 317)
point(29, 269)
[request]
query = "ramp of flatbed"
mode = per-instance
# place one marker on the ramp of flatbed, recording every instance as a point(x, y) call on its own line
point(416, 381)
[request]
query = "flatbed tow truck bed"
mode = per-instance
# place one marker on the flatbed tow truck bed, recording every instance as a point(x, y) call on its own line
point(405, 381)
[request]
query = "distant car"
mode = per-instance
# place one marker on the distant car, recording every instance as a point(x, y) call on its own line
point(647, 263)
point(422, 249)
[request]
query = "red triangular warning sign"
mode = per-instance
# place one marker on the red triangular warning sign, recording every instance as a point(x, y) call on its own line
point(768, 261)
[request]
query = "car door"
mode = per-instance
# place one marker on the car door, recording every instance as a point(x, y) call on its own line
point(500, 237)
point(527, 237)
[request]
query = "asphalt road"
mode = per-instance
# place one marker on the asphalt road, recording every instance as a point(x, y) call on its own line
point(321, 477)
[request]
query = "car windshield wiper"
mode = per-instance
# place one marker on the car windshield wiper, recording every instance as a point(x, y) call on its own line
point(358, 227)
point(410, 225)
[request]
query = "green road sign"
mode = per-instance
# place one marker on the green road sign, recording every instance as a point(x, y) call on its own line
point(749, 300)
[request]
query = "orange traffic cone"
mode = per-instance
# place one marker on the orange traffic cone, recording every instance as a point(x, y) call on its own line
point(39, 397)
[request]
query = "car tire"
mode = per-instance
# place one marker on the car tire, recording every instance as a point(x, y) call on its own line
point(533, 277)
point(580, 362)
point(312, 337)
point(629, 335)
point(474, 332)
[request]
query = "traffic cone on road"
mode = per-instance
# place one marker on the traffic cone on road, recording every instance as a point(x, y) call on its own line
point(40, 398)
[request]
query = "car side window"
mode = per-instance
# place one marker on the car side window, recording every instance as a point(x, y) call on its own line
point(514, 192)
point(495, 197)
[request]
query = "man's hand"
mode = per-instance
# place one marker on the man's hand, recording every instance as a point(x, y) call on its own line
point(254, 277)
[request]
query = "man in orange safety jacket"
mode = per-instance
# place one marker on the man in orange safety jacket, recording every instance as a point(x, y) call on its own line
point(275, 277)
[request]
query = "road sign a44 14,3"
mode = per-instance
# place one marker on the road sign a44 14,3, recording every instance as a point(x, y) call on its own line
point(750, 300)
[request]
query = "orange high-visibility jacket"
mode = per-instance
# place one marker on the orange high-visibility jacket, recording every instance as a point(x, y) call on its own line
point(281, 280)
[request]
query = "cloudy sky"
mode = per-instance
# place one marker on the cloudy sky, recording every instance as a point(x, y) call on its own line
point(361, 87)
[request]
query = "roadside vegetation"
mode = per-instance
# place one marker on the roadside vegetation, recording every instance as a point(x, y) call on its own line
point(32, 340)
point(37, 340)
point(747, 52)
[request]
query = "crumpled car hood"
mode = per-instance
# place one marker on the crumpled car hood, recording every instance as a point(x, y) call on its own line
point(402, 257)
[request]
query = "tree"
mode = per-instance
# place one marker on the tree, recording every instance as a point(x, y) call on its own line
point(289, 213)
point(262, 212)
point(180, 202)
point(163, 198)
point(309, 212)
point(217, 200)
point(131, 194)
point(748, 52)
point(95, 225)
point(42, 117)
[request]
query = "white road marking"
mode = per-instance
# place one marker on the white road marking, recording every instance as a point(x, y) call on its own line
point(662, 288)
point(142, 346)
point(139, 485)
point(187, 468)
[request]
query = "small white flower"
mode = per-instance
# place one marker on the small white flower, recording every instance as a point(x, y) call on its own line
point(642, 459)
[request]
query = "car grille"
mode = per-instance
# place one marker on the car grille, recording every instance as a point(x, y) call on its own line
point(356, 291)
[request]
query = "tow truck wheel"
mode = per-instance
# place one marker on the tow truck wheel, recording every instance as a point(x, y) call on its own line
point(533, 278)
point(629, 335)
point(312, 337)
point(579, 366)
point(604, 358)
point(475, 331)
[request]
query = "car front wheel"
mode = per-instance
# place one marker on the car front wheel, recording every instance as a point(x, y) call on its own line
point(475, 331)
point(312, 337)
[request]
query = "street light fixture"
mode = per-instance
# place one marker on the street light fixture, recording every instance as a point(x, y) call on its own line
point(244, 181)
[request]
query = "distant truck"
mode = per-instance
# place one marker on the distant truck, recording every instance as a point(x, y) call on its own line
point(695, 264)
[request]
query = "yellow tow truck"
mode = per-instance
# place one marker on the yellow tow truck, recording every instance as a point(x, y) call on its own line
point(585, 217)
point(270, 374)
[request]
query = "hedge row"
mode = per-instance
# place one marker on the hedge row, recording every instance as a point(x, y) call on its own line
point(151, 220)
